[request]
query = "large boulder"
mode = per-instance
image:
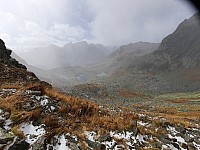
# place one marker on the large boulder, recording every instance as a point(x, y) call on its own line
point(5, 56)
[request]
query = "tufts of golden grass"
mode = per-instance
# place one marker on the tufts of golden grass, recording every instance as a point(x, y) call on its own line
point(129, 94)
point(11, 86)
point(16, 131)
point(185, 116)
point(10, 103)
point(75, 115)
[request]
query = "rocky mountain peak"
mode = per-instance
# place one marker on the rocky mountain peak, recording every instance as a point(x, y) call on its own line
point(181, 49)
point(185, 36)
point(5, 56)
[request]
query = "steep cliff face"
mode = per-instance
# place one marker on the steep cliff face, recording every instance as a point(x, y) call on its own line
point(5, 56)
point(181, 49)
point(183, 46)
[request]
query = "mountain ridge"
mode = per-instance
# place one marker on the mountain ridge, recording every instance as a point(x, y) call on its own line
point(71, 54)
point(178, 50)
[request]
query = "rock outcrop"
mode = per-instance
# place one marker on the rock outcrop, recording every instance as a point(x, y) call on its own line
point(5, 56)
point(181, 49)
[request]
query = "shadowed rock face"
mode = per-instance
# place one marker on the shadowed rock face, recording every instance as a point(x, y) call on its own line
point(181, 49)
point(4, 53)
point(5, 56)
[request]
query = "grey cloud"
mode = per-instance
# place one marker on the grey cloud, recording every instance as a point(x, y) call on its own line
point(111, 22)
point(119, 22)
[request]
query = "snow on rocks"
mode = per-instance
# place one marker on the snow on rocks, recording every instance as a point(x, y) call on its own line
point(32, 133)
point(63, 142)
point(7, 124)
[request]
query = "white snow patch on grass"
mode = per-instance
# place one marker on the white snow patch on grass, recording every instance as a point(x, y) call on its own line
point(172, 130)
point(125, 135)
point(32, 133)
point(61, 145)
point(44, 102)
point(90, 135)
point(142, 123)
point(10, 90)
point(7, 124)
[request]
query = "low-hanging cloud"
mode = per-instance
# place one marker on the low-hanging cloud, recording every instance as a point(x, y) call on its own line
point(30, 23)
point(118, 22)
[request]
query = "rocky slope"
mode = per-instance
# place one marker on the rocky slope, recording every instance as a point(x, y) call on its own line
point(34, 116)
point(173, 67)
point(5, 56)
point(123, 56)
point(181, 49)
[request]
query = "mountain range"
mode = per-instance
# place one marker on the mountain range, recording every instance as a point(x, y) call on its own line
point(72, 54)
point(138, 104)
point(172, 65)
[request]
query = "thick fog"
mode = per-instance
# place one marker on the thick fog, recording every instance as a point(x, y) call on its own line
point(28, 23)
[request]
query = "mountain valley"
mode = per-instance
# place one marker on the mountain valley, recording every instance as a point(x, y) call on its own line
point(141, 96)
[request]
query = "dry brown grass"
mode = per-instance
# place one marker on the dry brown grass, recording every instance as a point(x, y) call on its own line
point(35, 114)
point(77, 115)
point(51, 121)
point(175, 116)
point(183, 100)
point(16, 131)
point(10, 103)
point(11, 86)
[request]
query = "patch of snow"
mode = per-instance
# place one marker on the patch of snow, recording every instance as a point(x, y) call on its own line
point(61, 144)
point(142, 123)
point(1, 115)
point(7, 124)
point(109, 144)
point(32, 133)
point(172, 130)
point(142, 115)
point(180, 139)
point(140, 138)
point(52, 108)
point(10, 90)
point(44, 102)
point(125, 135)
point(90, 135)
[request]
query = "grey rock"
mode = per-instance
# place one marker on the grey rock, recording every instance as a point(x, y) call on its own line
point(183, 145)
point(20, 145)
point(104, 137)
point(191, 146)
point(197, 140)
point(156, 145)
point(188, 138)
point(180, 129)
point(165, 140)
point(73, 146)
point(6, 140)
point(176, 145)
point(135, 131)
point(5, 56)
point(5, 137)
point(39, 144)
point(95, 145)
point(2, 45)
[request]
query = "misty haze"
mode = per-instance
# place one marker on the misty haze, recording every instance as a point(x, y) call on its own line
point(109, 74)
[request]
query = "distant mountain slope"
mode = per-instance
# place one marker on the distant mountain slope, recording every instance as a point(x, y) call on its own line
point(181, 49)
point(71, 54)
point(174, 66)
point(123, 56)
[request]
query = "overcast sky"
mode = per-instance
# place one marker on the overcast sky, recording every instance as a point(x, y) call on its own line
point(29, 23)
